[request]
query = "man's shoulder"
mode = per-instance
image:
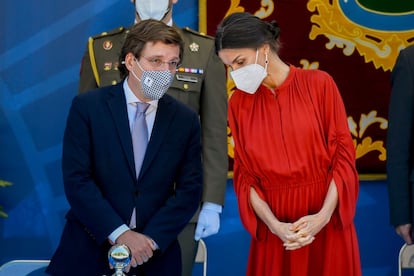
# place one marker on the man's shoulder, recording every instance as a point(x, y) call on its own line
point(190, 32)
point(112, 34)
point(197, 42)
point(103, 93)
point(409, 50)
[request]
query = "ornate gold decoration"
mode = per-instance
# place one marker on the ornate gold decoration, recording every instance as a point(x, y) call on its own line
point(267, 7)
point(367, 145)
point(309, 65)
point(377, 46)
point(234, 7)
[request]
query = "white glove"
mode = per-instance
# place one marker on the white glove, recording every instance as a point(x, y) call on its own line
point(208, 220)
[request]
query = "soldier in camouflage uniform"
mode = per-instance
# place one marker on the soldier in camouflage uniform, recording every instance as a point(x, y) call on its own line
point(200, 83)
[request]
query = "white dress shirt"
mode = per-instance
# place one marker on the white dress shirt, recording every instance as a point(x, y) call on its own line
point(131, 102)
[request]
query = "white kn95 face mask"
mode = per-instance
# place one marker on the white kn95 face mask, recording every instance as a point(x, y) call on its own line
point(248, 78)
point(151, 9)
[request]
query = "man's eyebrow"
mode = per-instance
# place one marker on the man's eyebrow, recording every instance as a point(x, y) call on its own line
point(161, 56)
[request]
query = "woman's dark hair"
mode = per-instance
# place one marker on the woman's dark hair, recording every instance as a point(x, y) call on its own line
point(147, 31)
point(244, 30)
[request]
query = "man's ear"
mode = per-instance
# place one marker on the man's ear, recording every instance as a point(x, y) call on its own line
point(129, 60)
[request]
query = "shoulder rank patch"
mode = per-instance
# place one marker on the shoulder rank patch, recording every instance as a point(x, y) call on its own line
point(197, 33)
point(110, 33)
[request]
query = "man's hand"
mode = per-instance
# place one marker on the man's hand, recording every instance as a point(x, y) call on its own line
point(208, 221)
point(404, 231)
point(141, 247)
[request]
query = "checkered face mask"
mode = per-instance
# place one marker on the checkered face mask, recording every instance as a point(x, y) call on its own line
point(154, 84)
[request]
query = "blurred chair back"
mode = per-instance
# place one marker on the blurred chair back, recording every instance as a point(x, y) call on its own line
point(201, 256)
point(405, 258)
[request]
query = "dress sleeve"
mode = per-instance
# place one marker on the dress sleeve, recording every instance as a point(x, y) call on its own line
point(243, 178)
point(341, 151)
point(242, 182)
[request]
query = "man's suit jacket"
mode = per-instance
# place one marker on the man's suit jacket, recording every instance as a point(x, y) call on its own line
point(101, 186)
point(400, 140)
point(200, 83)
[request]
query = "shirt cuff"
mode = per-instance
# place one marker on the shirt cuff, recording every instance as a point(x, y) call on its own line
point(212, 206)
point(155, 244)
point(118, 232)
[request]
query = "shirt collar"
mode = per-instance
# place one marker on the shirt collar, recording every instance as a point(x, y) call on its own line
point(131, 98)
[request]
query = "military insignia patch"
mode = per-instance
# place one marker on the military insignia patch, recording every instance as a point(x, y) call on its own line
point(107, 66)
point(107, 45)
point(194, 47)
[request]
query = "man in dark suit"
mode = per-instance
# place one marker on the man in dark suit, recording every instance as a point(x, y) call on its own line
point(400, 145)
point(200, 83)
point(113, 201)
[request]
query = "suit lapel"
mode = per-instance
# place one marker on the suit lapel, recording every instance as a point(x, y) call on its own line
point(117, 105)
point(163, 118)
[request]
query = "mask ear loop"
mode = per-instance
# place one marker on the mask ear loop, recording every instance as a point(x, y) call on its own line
point(132, 71)
point(139, 65)
point(257, 55)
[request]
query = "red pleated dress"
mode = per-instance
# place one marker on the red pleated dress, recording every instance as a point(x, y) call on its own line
point(289, 144)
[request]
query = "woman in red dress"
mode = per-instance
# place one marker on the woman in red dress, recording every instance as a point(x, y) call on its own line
point(294, 160)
